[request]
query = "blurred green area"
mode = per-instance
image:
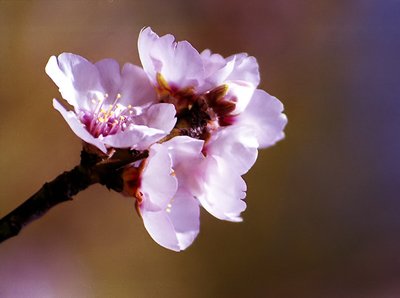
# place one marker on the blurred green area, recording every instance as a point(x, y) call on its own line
point(322, 216)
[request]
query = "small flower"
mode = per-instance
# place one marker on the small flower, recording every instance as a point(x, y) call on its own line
point(217, 101)
point(112, 108)
point(197, 158)
point(163, 185)
point(181, 73)
point(232, 151)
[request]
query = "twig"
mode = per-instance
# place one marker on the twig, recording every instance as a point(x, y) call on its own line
point(64, 187)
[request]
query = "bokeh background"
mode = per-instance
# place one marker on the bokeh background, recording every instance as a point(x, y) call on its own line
point(323, 216)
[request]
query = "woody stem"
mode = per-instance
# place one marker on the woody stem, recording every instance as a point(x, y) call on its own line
point(62, 189)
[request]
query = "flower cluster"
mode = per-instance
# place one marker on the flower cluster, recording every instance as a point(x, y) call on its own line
point(199, 115)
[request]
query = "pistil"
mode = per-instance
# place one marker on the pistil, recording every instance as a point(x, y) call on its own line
point(107, 120)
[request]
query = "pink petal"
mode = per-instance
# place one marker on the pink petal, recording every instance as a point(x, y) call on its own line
point(184, 214)
point(183, 147)
point(160, 228)
point(217, 69)
point(77, 127)
point(179, 63)
point(146, 41)
point(155, 123)
point(264, 116)
point(245, 69)
point(160, 116)
point(110, 77)
point(224, 190)
point(217, 78)
point(177, 226)
point(240, 93)
point(186, 154)
point(136, 89)
point(170, 216)
point(239, 67)
point(77, 78)
point(237, 145)
point(212, 62)
point(158, 184)
point(138, 137)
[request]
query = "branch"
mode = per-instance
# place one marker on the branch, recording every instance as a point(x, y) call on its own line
point(64, 187)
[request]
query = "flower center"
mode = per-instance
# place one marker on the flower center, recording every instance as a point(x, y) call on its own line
point(198, 114)
point(105, 118)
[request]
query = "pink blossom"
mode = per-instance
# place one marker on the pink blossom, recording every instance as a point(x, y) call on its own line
point(182, 67)
point(111, 108)
point(232, 151)
point(217, 101)
point(222, 119)
point(163, 190)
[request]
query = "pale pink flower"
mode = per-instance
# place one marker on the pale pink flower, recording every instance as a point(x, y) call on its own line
point(163, 191)
point(232, 151)
point(111, 108)
point(260, 125)
point(217, 101)
point(182, 67)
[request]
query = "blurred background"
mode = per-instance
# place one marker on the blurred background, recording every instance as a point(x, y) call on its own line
point(323, 205)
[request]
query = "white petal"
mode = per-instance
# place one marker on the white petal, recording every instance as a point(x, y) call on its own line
point(183, 147)
point(146, 41)
point(245, 69)
point(212, 62)
point(217, 69)
point(224, 190)
point(237, 145)
point(170, 216)
point(136, 89)
point(158, 184)
point(184, 212)
point(186, 154)
point(77, 127)
point(239, 92)
point(110, 77)
point(179, 63)
point(239, 67)
point(160, 228)
point(264, 117)
point(77, 78)
point(138, 137)
point(177, 226)
point(160, 116)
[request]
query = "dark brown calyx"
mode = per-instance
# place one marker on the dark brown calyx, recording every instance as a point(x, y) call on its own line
point(198, 114)
point(222, 107)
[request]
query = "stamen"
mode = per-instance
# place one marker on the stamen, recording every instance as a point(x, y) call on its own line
point(116, 99)
point(162, 83)
point(169, 205)
point(105, 118)
point(100, 104)
point(168, 209)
